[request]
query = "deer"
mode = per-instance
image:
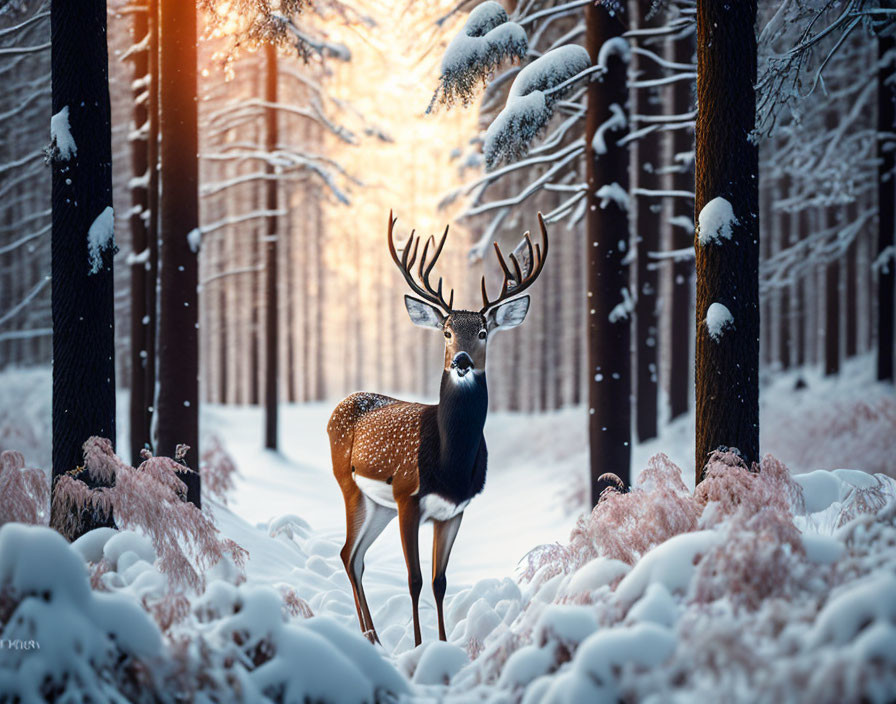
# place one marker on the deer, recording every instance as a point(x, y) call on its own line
point(425, 462)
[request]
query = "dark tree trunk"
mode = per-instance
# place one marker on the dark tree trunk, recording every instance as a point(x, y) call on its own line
point(886, 125)
point(832, 308)
point(798, 223)
point(851, 303)
point(609, 358)
point(782, 223)
point(271, 308)
point(141, 398)
point(648, 216)
point(727, 393)
point(152, 233)
point(178, 343)
point(82, 287)
point(681, 361)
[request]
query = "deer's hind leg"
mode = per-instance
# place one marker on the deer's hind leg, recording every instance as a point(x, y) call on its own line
point(365, 520)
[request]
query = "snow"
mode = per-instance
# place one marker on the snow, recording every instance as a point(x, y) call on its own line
point(530, 102)
point(61, 135)
point(616, 46)
point(670, 564)
point(614, 193)
point(616, 122)
point(194, 238)
point(100, 237)
point(624, 308)
point(605, 630)
point(718, 320)
point(439, 662)
point(715, 222)
point(486, 39)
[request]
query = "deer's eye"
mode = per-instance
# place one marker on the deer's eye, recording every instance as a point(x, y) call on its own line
point(448, 334)
point(482, 334)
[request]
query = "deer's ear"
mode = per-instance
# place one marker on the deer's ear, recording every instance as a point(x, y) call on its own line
point(423, 314)
point(508, 315)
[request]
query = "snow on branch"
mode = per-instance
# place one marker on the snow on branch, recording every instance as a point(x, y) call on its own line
point(486, 40)
point(530, 103)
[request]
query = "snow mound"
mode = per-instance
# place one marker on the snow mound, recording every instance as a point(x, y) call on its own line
point(715, 222)
point(71, 639)
point(718, 320)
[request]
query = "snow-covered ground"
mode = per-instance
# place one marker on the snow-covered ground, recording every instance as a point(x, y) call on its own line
point(645, 582)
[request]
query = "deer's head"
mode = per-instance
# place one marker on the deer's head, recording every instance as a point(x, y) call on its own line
point(467, 332)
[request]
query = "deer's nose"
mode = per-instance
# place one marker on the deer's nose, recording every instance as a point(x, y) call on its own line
point(462, 362)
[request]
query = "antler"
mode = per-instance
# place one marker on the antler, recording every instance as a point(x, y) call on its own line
point(406, 262)
point(517, 281)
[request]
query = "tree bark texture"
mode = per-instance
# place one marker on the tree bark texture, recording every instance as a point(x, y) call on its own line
point(886, 198)
point(648, 216)
point(271, 326)
point(82, 291)
point(178, 343)
point(727, 389)
point(607, 235)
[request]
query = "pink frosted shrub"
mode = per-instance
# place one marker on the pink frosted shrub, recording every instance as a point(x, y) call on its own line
point(756, 559)
point(24, 491)
point(624, 526)
point(151, 499)
point(218, 470)
point(729, 486)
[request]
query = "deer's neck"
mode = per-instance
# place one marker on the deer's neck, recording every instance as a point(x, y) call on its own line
point(463, 405)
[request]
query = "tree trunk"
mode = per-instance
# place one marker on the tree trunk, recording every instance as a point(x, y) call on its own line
point(886, 125)
point(271, 338)
point(798, 223)
point(782, 223)
point(140, 401)
point(82, 284)
point(152, 232)
point(851, 297)
point(832, 307)
point(609, 358)
point(727, 388)
point(178, 344)
point(681, 360)
point(647, 239)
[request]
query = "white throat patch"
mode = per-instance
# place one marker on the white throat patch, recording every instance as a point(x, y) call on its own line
point(467, 379)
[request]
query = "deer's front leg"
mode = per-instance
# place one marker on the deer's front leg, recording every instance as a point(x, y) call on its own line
point(444, 533)
point(409, 526)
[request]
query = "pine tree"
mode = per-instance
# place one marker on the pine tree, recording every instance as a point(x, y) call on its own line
point(727, 250)
point(177, 404)
point(82, 244)
point(886, 125)
point(609, 327)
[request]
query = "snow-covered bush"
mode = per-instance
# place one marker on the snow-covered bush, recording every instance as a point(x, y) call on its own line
point(24, 491)
point(149, 498)
point(623, 526)
point(487, 39)
point(530, 102)
point(760, 586)
point(59, 636)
